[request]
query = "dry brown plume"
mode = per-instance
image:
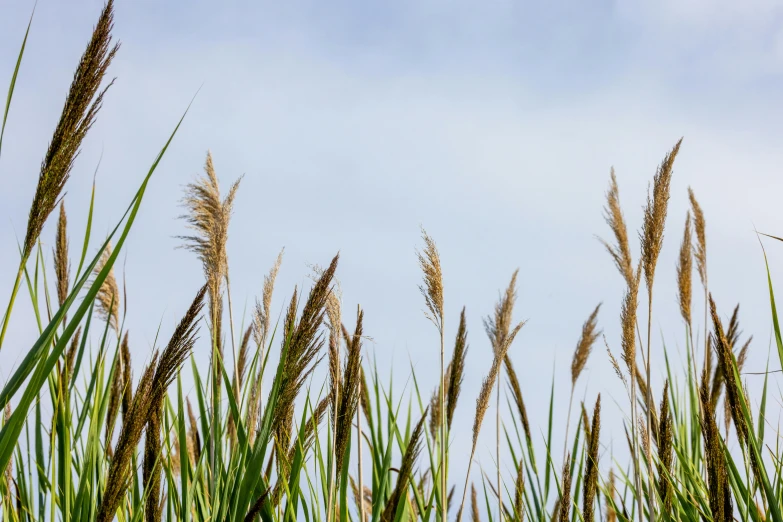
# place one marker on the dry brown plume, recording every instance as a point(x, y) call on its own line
point(519, 493)
point(208, 217)
point(349, 399)
point(432, 287)
point(301, 344)
point(78, 115)
point(684, 271)
point(516, 392)
point(108, 298)
point(482, 402)
point(194, 440)
point(127, 377)
point(589, 335)
point(591, 466)
point(406, 471)
point(665, 451)
point(62, 266)
point(655, 211)
point(498, 326)
point(565, 497)
point(70, 357)
point(718, 488)
point(475, 516)
point(726, 363)
point(700, 227)
point(628, 322)
point(456, 369)
point(262, 317)
point(613, 214)
point(151, 468)
point(611, 514)
point(148, 397)
point(586, 424)
point(115, 399)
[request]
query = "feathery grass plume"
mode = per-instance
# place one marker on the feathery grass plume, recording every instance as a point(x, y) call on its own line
point(586, 424)
point(684, 272)
point(516, 392)
point(482, 402)
point(565, 497)
point(651, 238)
point(613, 214)
point(611, 514)
point(262, 318)
point(78, 115)
point(434, 409)
point(349, 400)
point(255, 509)
point(616, 366)
point(665, 452)
point(589, 335)
point(497, 329)
point(726, 364)
point(732, 337)
point(700, 227)
point(628, 322)
point(148, 398)
point(127, 377)
point(556, 510)
point(499, 325)
point(655, 211)
point(475, 516)
point(151, 468)
point(641, 425)
point(700, 253)
point(591, 466)
point(108, 298)
point(73, 349)
point(406, 471)
point(119, 470)
point(718, 488)
point(62, 266)
point(628, 339)
point(457, 369)
point(364, 398)
point(432, 290)
point(301, 346)
point(519, 493)
point(334, 315)
point(194, 440)
point(115, 399)
point(208, 217)
point(641, 381)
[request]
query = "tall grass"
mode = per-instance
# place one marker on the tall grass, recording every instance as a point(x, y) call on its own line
point(351, 448)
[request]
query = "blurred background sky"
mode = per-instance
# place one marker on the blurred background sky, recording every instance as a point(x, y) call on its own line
point(492, 124)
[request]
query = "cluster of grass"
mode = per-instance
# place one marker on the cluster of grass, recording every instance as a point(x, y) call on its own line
point(261, 443)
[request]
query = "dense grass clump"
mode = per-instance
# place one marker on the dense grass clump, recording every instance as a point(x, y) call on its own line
point(255, 441)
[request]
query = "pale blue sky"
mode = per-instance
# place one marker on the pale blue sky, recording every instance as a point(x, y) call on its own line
point(493, 124)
